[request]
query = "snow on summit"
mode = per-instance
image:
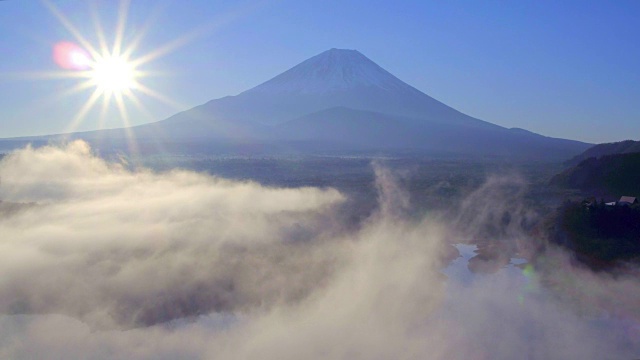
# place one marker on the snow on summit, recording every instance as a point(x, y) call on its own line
point(332, 70)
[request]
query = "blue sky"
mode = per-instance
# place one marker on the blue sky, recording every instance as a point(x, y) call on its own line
point(560, 68)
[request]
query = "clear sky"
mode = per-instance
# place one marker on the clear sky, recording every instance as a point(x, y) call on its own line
point(559, 68)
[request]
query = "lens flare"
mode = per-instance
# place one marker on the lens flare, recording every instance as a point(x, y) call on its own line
point(111, 70)
point(110, 74)
point(70, 56)
point(531, 285)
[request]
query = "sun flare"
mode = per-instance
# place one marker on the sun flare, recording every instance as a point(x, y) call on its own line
point(111, 71)
point(113, 75)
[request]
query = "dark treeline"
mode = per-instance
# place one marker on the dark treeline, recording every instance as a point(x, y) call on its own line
point(601, 236)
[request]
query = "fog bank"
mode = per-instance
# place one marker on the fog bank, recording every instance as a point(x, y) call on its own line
point(106, 262)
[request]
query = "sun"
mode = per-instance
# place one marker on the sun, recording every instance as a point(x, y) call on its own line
point(109, 74)
point(113, 75)
point(111, 71)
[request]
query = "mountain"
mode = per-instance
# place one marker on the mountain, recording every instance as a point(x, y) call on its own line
point(334, 78)
point(342, 100)
point(341, 78)
point(337, 100)
point(610, 175)
point(369, 130)
point(622, 147)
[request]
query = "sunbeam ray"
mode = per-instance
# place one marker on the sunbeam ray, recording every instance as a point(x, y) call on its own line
point(76, 89)
point(77, 120)
point(72, 29)
point(47, 75)
point(169, 47)
point(120, 27)
point(131, 140)
point(154, 94)
point(133, 98)
point(144, 30)
point(97, 24)
point(106, 99)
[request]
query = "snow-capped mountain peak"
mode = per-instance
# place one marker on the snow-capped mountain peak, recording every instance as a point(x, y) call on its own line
point(332, 70)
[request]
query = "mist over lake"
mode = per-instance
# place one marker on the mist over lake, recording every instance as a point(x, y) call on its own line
point(142, 267)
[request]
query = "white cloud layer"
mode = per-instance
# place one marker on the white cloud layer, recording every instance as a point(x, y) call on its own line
point(105, 256)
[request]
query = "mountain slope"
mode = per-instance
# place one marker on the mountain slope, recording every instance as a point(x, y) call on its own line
point(622, 147)
point(614, 175)
point(372, 130)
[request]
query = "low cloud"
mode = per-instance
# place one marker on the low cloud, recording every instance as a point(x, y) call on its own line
point(123, 248)
point(107, 262)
